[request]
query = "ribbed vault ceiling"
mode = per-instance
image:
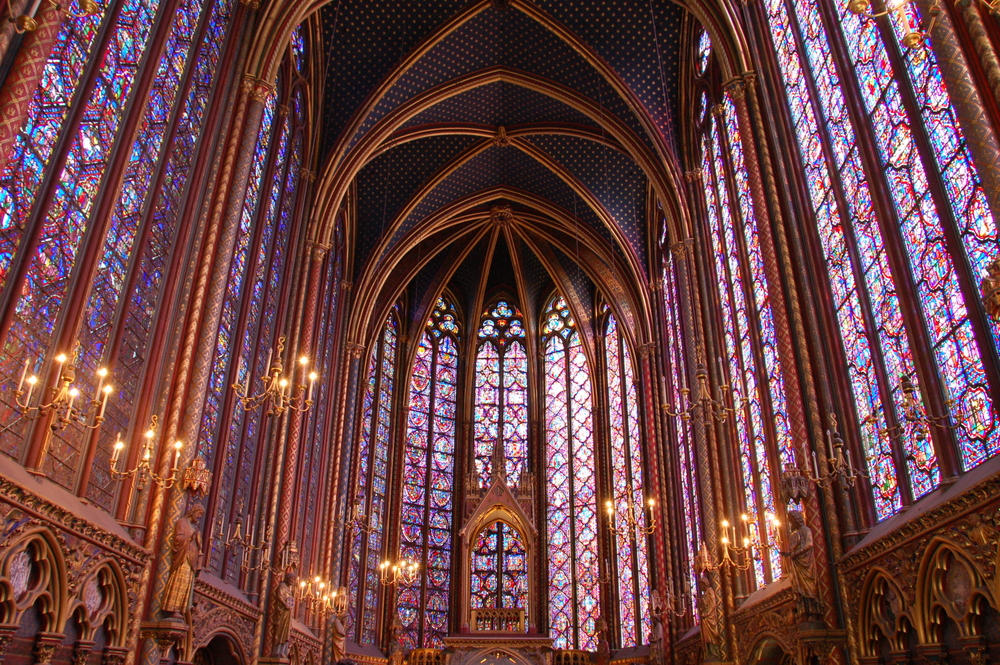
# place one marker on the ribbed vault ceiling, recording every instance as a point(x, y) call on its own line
point(499, 146)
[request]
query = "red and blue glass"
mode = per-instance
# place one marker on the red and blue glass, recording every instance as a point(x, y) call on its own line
point(570, 485)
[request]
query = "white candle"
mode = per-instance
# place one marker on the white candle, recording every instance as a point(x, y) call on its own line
point(850, 465)
point(269, 353)
point(24, 373)
point(815, 464)
point(73, 392)
point(246, 388)
point(829, 445)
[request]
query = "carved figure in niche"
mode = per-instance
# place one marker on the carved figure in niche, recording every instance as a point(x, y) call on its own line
point(802, 558)
point(185, 552)
point(338, 635)
point(281, 614)
point(603, 645)
point(396, 655)
point(708, 609)
point(656, 652)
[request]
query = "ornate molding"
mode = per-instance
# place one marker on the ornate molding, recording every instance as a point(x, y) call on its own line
point(501, 214)
point(356, 350)
point(924, 524)
point(500, 139)
point(258, 89)
point(734, 87)
point(694, 175)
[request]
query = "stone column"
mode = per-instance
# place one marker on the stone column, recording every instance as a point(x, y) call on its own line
point(184, 418)
point(19, 88)
point(313, 265)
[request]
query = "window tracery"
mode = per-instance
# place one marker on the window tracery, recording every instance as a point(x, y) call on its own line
point(631, 561)
point(428, 480)
point(372, 474)
point(501, 391)
point(571, 484)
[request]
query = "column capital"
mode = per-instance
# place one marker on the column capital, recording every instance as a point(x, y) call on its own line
point(258, 89)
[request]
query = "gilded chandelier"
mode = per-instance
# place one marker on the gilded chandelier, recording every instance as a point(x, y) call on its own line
point(714, 407)
point(631, 521)
point(62, 396)
point(403, 571)
point(279, 392)
point(143, 470)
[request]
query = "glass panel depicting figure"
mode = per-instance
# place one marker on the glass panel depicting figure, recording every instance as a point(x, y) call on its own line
point(501, 409)
point(428, 481)
point(499, 566)
point(747, 378)
point(570, 482)
point(627, 487)
point(366, 549)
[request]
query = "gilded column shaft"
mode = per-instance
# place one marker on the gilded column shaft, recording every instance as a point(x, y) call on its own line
point(184, 420)
point(988, 60)
point(19, 88)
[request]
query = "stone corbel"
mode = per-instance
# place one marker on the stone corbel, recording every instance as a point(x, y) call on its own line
point(819, 643)
point(114, 656)
point(81, 651)
point(46, 645)
point(7, 633)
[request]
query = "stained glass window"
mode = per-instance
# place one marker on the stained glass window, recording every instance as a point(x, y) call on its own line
point(76, 176)
point(299, 48)
point(376, 421)
point(428, 480)
point(221, 374)
point(631, 561)
point(501, 410)
point(687, 462)
point(570, 484)
point(704, 51)
point(499, 569)
point(863, 273)
point(748, 330)
point(125, 230)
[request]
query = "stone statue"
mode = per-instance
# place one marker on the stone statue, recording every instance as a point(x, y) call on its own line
point(803, 567)
point(281, 614)
point(708, 609)
point(396, 655)
point(603, 645)
point(656, 652)
point(338, 634)
point(185, 552)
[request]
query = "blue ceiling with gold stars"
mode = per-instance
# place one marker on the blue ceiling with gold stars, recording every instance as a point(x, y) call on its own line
point(543, 63)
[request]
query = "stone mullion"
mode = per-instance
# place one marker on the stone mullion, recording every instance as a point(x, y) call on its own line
point(786, 350)
point(347, 457)
point(707, 474)
point(184, 409)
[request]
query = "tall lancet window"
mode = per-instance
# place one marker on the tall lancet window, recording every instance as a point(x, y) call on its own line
point(631, 568)
point(501, 391)
point(376, 424)
point(750, 359)
point(894, 226)
point(687, 467)
point(570, 484)
point(429, 479)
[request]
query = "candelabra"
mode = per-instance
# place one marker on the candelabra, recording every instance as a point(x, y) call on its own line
point(839, 466)
point(356, 520)
point(244, 541)
point(26, 22)
point(711, 407)
point(403, 571)
point(62, 397)
point(278, 390)
point(143, 470)
point(321, 599)
point(739, 558)
point(672, 605)
point(632, 522)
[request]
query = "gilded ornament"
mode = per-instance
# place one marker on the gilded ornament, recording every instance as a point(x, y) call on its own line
point(990, 287)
